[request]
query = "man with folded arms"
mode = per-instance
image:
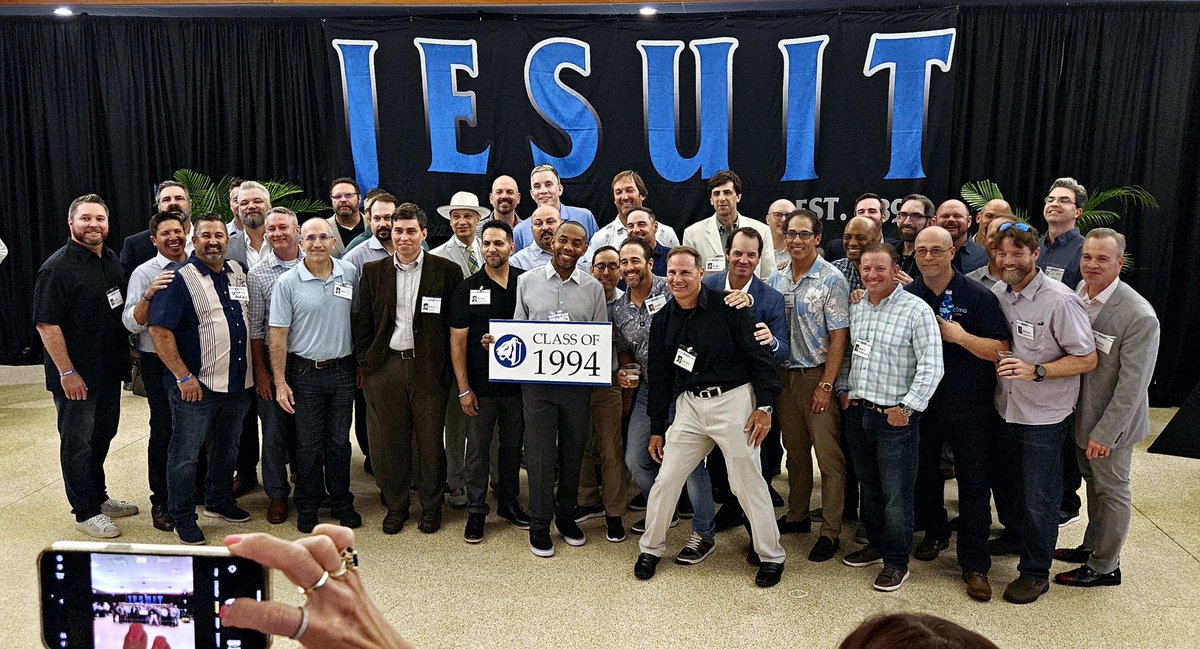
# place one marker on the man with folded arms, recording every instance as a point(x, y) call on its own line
point(705, 359)
point(1113, 411)
point(315, 374)
point(894, 367)
point(1052, 344)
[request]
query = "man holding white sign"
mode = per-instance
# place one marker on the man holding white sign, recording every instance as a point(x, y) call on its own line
point(704, 358)
point(556, 416)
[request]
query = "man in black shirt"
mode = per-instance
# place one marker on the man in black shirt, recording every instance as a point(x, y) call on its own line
point(347, 221)
point(77, 304)
point(704, 358)
point(960, 412)
point(489, 294)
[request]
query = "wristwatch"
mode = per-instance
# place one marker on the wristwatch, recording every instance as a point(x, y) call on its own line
point(828, 387)
point(1039, 373)
point(905, 410)
point(767, 409)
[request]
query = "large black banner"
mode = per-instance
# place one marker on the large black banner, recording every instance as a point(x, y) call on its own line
point(816, 108)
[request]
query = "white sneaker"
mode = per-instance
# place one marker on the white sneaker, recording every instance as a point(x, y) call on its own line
point(114, 508)
point(99, 526)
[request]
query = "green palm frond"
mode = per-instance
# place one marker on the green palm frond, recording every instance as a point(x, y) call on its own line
point(208, 196)
point(1097, 219)
point(1128, 268)
point(281, 190)
point(306, 206)
point(1094, 217)
point(976, 194)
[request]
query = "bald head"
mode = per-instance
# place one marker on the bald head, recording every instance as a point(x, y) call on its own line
point(777, 215)
point(954, 216)
point(315, 226)
point(934, 236)
point(934, 249)
point(860, 231)
point(993, 209)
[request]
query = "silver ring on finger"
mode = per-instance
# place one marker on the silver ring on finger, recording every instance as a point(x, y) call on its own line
point(303, 623)
point(320, 584)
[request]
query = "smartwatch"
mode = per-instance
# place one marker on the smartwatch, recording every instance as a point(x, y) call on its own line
point(1039, 373)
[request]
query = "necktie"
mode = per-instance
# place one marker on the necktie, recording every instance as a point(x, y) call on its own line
point(472, 262)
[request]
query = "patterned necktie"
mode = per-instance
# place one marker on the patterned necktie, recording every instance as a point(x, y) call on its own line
point(472, 262)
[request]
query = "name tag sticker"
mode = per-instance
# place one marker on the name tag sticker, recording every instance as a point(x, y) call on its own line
point(1024, 329)
point(656, 303)
point(431, 305)
point(862, 348)
point(685, 359)
point(239, 293)
point(714, 264)
point(114, 298)
point(1054, 272)
point(789, 300)
point(1104, 342)
point(481, 296)
point(344, 291)
point(560, 316)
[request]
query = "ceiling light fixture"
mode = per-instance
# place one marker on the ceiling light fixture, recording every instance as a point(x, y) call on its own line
point(647, 11)
point(64, 11)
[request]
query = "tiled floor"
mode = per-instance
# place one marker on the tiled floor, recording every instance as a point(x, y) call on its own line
point(442, 592)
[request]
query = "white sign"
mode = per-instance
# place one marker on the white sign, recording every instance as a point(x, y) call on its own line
point(534, 351)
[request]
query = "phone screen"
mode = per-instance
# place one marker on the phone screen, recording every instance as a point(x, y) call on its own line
point(96, 599)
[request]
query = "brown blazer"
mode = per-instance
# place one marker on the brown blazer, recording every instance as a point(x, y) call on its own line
point(376, 317)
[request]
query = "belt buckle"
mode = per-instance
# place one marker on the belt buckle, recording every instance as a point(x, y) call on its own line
point(407, 354)
point(709, 393)
point(324, 365)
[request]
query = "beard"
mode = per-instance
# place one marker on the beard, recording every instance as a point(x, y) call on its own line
point(253, 220)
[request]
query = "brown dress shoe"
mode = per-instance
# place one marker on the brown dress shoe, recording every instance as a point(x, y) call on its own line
point(277, 511)
point(978, 587)
point(162, 520)
point(243, 484)
point(431, 521)
point(1026, 590)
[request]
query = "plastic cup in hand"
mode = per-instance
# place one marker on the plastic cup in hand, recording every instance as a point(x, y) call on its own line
point(1000, 356)
point(633, 374)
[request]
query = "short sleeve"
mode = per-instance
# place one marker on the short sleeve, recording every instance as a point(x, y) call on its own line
point(837, 304)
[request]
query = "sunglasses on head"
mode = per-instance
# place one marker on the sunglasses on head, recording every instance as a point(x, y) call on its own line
point(1023, 227)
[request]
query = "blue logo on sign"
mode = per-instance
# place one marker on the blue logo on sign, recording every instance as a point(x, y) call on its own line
point(510, 350)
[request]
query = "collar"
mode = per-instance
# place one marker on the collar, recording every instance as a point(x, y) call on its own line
point(374, 244)
point(458, 244)
point(574, 277)
point(163, 262)
point(1031, 289)
point(884, 302)
point(406, 267)
point(276, 261)
point(736, 219)
point(658, 286)
point(618, 295)
point(76, 248)
point(205, 269)
point(1063, 239)
point(746, 289)
point(306, 275)
point(920, 289)
point(1104, 295)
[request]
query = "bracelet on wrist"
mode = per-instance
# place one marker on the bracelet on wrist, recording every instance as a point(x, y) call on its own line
point(67, 373)
point(463, 394)
point(184, 379)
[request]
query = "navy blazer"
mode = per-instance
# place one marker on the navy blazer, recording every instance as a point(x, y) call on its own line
point(135, 251)
point(768, 308)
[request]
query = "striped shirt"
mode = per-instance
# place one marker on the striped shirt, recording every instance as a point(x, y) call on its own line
point(894, 354)
point(210, 327)
point(261, 281)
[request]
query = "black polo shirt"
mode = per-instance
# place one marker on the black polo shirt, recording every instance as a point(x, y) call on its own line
point(475, 318)
point(722, 339)
point(72, 291)
point(969, 384)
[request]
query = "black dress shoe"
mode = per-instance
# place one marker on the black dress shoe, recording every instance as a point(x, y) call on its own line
point(752, 557)
point(769, 574)
point(474, 531)
point(728, 517)
point(1085, 577)
point(823, 549)
point(394, 521)
point(514, 515)
point(349, 518)
point(1073, 555)
point(162, 520)
point(645, 566)
point(431, 521)
point(776, 499)
point(802, 526)
point(638, 504)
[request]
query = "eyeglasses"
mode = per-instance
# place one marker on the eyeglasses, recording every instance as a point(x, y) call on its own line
point(611, 268)
point(1023, 227)
point(908, 216)
point(776, 215)
point(934, 252)
point(323, 238)
point(804, 235)
point(338, 197)
point(1061, 200)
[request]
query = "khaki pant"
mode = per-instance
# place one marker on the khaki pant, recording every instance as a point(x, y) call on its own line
point(803, 432)
point(606, 438)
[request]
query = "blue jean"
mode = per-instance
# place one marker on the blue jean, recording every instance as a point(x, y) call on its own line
point(885, 458)
point(645, 469)
point(1035, 471)
point(85, 429)
point(324, 410)
point(274, 447)
point(217, 416)
point(154, 378)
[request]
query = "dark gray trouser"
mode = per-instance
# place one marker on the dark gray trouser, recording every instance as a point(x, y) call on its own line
point(506, 412)
point(85, 429)
point(556, 421)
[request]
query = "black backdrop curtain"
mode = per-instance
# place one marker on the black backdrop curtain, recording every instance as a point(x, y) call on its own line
point(1109, 94)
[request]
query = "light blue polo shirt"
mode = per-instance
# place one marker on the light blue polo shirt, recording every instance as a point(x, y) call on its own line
point(317, 318)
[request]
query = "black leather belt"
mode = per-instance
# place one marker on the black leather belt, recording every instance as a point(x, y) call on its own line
point(406, 354)
point(863, 403)
point(320, 365)
point(714, 391)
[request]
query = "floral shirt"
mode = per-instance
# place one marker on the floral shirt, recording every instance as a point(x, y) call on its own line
point(816, 304)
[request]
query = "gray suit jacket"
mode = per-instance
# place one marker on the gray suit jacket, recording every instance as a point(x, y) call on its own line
point(237, 248)
point(1114, 405)
point(338, 246)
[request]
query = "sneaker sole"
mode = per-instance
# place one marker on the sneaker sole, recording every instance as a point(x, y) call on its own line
point(545, 554)
point(1069, 521)
point(120, 514)
point(202, 542)
point(888, 589)
point(589, 516)
point(224, 517)
point(99, 534)
point(575, 542)
point(691, 562)
point(615, 540)
point(861, 564)
point(473, 541)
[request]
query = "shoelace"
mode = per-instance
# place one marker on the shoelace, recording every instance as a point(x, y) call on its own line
point(694, 542)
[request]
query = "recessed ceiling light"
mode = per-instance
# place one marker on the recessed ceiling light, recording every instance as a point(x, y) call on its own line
point(64, 11)
point(647, 11)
